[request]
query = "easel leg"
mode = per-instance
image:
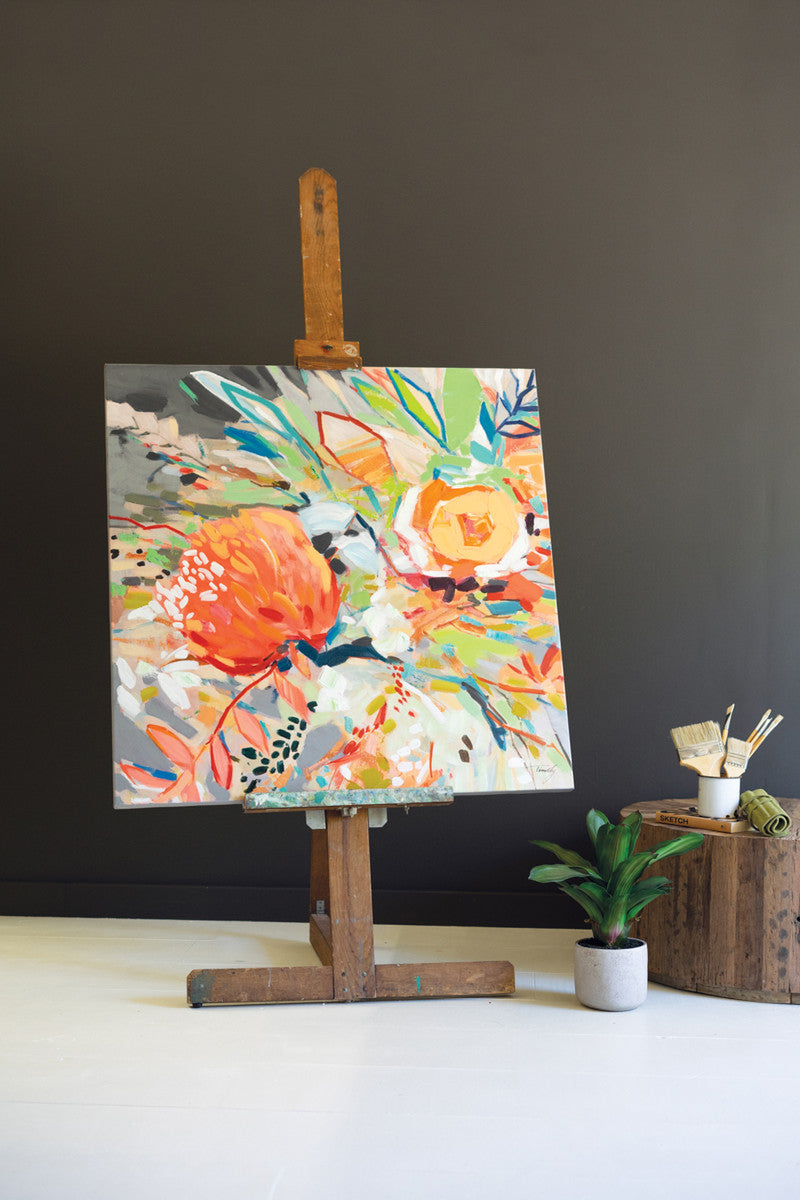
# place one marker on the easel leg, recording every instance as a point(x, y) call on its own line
point(341, 933)
point(349, 877)
point(319, 909)
point(340, 925)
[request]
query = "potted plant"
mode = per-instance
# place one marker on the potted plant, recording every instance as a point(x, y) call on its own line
point(610, 966)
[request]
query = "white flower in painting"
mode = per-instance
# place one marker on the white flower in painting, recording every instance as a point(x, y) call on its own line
point(333, 691)
point(387, 625)
point(128, 702)
point(174, 678)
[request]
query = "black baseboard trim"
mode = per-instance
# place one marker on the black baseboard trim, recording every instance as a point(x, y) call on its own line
point(539, 909)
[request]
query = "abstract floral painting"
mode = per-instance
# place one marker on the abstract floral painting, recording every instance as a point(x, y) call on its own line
point(327, 582)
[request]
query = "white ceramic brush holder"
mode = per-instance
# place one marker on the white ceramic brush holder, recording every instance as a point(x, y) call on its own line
point(717, 796)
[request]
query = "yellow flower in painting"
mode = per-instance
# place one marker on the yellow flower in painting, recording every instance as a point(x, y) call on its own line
point(473, 532)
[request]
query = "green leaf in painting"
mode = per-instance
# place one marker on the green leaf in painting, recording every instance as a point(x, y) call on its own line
point(462, 396)
point(387, 406)
point(414, 402)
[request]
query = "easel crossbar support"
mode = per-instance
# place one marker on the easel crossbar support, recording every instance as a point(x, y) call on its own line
point(398, 981)
point(341, 934)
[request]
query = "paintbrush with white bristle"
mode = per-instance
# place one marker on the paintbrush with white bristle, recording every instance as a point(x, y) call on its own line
point(700, 747)
point(736, 758)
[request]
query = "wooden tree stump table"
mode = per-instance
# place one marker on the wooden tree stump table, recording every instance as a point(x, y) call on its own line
point(731, 924)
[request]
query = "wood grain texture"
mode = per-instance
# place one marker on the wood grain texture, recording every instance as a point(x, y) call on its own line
point(350, 881)
point(419, 981)
point(259, 985)
point(319, 893)
point(319, 935)
point(306, 985)
point(326, 354)
point(731, 924)
point(322, 271)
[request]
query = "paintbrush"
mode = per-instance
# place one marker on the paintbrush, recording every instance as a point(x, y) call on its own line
point(760, 727)
point(736, 758)
point(728, 716)
point(765, 733)
point(700, 747)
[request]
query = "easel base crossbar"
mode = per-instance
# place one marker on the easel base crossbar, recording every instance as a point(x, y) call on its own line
point(298, 985)
point(342, 936)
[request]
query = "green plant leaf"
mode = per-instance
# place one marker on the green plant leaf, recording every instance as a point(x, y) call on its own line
point(613, 848)
point(626, 874)
point(678, 845)
point(596, 890)
point(614, 925)
point(570, 857)
point(555, 873)
point(634, 823)
point(656, 884)
point(587, 903)
point(595, 820)
point(645, 891)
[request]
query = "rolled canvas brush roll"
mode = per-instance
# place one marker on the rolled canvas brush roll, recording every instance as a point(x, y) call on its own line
point(765, 814)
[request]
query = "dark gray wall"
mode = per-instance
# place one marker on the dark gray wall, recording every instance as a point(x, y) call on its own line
point(607, 191)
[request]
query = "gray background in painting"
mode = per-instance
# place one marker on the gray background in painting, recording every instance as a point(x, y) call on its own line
point(608, 192)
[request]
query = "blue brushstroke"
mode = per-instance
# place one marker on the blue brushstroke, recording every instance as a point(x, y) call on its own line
point(167, 776)
point(522, 419)
point(253, 442)
point(442, 440)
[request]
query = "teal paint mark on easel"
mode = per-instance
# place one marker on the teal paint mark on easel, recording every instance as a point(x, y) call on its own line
point(418, 982)
point(347, 798)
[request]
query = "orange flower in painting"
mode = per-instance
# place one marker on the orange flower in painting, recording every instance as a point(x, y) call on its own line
point(462, 531)
point(246, 586)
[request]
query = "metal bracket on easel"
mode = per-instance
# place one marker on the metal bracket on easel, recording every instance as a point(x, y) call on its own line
point(378, 816)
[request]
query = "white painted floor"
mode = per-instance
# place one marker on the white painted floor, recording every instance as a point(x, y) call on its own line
point(112, 1088)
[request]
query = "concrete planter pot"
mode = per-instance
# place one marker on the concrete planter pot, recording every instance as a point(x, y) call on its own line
point(611, 980)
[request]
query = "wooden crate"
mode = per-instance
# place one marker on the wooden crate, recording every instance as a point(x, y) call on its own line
point(731, 924)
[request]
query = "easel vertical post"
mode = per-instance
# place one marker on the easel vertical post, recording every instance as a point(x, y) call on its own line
point(350, 877)
point(340, 917)
point(323, 347)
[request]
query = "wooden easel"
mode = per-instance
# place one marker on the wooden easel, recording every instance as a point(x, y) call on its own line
point(340, 916)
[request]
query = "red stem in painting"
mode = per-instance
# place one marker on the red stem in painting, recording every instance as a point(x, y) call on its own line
point(226, 712)
point(139, 525)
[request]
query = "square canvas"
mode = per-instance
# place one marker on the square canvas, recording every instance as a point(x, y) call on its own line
point(328, 583)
